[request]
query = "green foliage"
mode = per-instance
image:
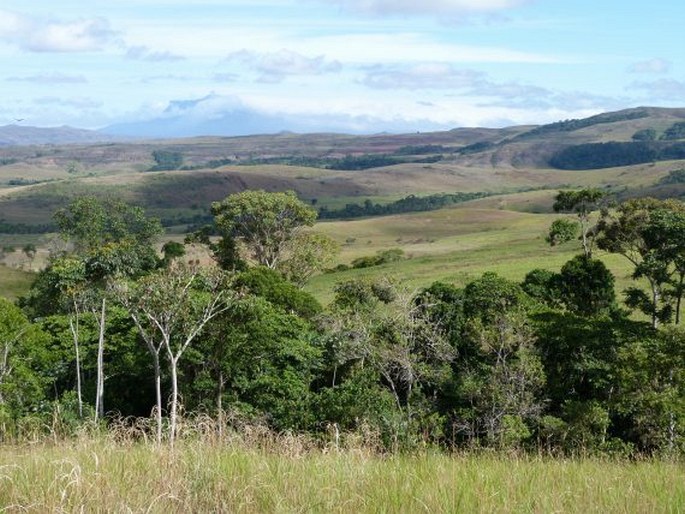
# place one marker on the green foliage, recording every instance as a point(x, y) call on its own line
point(420, 149)
point(112, 236)
point(362, 293)
point(443, 304)
point(307, 253)
point(577, 124)
point(172, 250)
point(480, 146)
point(551, 364)
point(381, 257)
point(651, 376)
point(166, 160)
point(358, 399)
point(347, 163)
point(23, 362)
point(582, 202)
point(586, 287)
point(411, 203)
point(612, 154)
point(263, 222)
point(543, 286)
point(266, 359)
point(490, 296)
point(498, 390)
point(362, 162)
point(648, 233)
point(561, 231)
point(648, 134)
point(224, 250)
point(273, 287)
point(675, 131)
point(674, 177)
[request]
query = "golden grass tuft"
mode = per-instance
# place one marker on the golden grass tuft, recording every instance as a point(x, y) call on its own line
point(214, 468)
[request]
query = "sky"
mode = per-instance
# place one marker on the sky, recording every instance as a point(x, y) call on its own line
point(344, 65)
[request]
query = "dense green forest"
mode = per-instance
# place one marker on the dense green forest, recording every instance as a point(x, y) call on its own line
point(555, 363)
point(607, 155)
point(411, 203)
point(577, 124)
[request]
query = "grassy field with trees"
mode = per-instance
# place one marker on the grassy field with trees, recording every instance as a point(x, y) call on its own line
point(285, 475)
point(475, 351)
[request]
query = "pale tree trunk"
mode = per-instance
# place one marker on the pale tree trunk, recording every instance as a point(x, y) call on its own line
point(100, 386)
point(154, 350)
point(74, 326)
point(679, 298)
point(586, 245)
point(174, 398)
point(5, 367)
point(219, 403)
point(655, 305)
point(158, 396)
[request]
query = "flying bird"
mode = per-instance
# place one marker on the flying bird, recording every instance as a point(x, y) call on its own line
point(19, 119)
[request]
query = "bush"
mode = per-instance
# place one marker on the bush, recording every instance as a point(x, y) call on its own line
point(382, 257)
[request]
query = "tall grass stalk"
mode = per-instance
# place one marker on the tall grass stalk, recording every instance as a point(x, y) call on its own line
point(254, 470)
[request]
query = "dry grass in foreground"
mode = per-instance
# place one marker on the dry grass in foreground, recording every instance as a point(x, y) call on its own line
point(290, 474)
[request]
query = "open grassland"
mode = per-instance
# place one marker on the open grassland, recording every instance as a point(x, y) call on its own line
point(455, 245)
point(98, 476)
point(14, 282)
point(172, 193)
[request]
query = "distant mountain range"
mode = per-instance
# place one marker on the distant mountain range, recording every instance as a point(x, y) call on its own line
point(638, 151)
point(213, 116)
point(216, 115)
point(11, 135)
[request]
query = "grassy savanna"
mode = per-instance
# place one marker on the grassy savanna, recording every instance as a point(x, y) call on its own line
point(167, 194)
point(98, 476)
point(14, 282)
point(455, 245)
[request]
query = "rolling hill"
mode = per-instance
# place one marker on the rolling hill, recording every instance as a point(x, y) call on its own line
point(334, 169)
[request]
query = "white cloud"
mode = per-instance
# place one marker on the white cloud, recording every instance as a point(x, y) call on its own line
point(413, 47)
point(36, 34)
point(50, 78)
point(143, 53)
point(437, 7)
point(276, 66)
point(656, 65)
point(663, 89)
point(422, 76)
point(79, 103)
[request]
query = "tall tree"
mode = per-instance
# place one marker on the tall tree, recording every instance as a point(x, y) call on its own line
point(113, 239)
point(649, 233)
point(376, 328)
point(171, 307)
point(499, 389)
point(583, 203)
point(22, 348)
point(264, 223)
point(64, 281)
point(307, 253)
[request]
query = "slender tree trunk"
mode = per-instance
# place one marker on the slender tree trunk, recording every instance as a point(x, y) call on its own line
point(586, 249)
point(655, 306)
point(100, 388)
point(219, 404)
point(679, 298)
point(671, 420)
point(74, 326)
point(174, 399)
point(158, 392)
